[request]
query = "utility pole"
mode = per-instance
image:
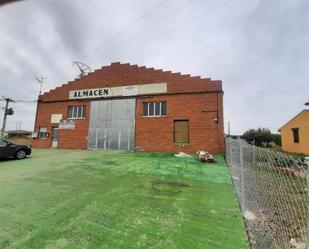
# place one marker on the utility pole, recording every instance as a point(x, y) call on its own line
point(7, 111)
point(18, 125)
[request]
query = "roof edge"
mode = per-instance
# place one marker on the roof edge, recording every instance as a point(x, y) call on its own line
point(131, 65)
point(305, 110)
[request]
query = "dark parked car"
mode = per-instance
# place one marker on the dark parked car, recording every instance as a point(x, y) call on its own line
point(8, 150)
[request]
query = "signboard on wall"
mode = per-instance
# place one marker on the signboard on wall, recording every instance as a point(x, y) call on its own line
point(132, 90)
point(129, 90)
point(55, 118)
point(90, 93)
point(67, 124)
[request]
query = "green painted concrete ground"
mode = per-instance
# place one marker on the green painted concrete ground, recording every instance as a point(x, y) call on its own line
point(86, 199)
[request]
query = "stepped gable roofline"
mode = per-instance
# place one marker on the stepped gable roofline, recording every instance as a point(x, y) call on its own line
point(127, 67)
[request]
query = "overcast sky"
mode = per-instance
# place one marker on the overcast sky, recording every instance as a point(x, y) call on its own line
point(258, 48)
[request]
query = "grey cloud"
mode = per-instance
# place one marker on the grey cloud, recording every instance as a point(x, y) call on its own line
point(68, 21)
point(250, 45)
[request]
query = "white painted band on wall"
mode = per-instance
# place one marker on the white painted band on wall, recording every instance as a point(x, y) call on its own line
point(118, 91)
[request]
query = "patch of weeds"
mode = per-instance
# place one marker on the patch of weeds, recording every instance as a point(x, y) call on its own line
point(168, 187)
point(5, 243)
point(101, 218)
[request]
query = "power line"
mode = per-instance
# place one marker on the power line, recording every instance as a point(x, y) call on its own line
point(252, 125)
point(207, 12)
point(25, 101)
point(267, 92)
point(24, 106)
point(147, 27)
point(16, 101)
point(126, 27)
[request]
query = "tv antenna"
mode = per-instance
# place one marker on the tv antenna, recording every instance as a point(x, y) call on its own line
point(83, 68)
point(40, 80)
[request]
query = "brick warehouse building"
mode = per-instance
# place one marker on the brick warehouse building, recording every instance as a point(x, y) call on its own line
point(128, 107)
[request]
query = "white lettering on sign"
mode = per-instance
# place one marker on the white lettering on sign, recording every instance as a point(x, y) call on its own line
point(132, 90)
point(90, 93)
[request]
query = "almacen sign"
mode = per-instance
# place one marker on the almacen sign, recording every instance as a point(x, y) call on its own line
point(119, 91)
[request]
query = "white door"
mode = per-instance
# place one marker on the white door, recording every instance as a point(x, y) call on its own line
point(55, 137)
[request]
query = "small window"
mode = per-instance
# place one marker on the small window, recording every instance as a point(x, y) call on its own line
point(154, 109)
point(151, 109)
point(70, 112)
point(181, 131)
point(163, 108)
point(296, 135)
point(43, 132)
point(80, 112)
point(145, 109)
point(77, 111)
point(74, 112)
point(157, 108)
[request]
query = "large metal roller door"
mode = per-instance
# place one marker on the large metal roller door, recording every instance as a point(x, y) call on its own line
point(112, 125)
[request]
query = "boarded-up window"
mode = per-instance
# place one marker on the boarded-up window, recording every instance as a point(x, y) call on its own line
point(181, 131)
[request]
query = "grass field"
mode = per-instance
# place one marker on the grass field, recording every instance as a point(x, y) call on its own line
point(86, 199)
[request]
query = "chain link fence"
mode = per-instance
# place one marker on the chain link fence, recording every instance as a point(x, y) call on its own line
point(272, 189)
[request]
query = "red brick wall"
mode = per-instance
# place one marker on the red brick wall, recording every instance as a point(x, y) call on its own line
point(152, 133)
point(68, 138)
point(125, 74)
point(157, 133)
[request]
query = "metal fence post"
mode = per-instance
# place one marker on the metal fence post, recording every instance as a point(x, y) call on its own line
point(253, 152)
point(242, 175)
point(307, 181)
point(277, 186)
point(230, 151)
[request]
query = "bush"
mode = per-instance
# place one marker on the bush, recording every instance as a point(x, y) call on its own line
point(260, 137)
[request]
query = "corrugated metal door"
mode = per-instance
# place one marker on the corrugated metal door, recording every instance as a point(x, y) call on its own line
point(112, 125)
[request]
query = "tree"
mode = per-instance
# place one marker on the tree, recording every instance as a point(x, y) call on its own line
point(277, 139)
point(260, 137)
